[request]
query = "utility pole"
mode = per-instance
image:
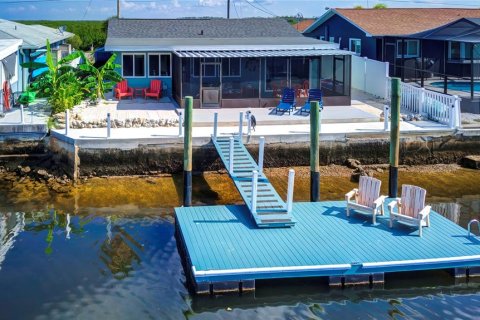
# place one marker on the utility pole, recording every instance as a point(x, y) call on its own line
point(228, 9)
point(118, 9)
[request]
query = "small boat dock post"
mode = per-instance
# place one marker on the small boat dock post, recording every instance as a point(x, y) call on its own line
point(229, 248)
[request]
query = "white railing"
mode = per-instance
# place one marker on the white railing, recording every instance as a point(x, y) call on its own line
point(436, 106)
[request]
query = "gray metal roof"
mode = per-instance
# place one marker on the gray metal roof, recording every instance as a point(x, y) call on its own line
point(8, 46)
point(33, 36)
point(462, 30)
point(201, 28)
point(180, 44)
point(260, 53)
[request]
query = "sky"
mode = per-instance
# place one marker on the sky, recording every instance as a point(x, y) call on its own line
point(164, 9)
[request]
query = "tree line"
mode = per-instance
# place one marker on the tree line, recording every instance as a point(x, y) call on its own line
point(88, 34)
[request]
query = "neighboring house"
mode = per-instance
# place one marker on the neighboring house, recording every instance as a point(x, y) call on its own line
point(228, 62)
point(300, 26)
point(431, 47)
point(34, 39)
point(8, 64)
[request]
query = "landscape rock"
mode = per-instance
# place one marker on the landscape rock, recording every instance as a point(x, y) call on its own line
point(352, 163)
point(472, 162)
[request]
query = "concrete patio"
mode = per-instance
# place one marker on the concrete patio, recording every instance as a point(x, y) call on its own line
point(357, 112)
point(35, 118)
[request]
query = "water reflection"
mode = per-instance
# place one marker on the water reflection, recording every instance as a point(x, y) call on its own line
point(11, 224)
point(118, 251)
point(109, 251)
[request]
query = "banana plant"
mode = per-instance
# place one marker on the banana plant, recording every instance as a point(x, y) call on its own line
point(102, 79)
point(58, 81)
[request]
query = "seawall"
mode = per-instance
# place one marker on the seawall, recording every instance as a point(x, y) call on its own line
point(165, 154)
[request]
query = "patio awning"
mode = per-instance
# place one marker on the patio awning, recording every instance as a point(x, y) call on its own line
point(259, 53)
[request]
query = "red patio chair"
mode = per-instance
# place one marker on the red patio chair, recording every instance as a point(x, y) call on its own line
point(155, 90)
point(123, 90)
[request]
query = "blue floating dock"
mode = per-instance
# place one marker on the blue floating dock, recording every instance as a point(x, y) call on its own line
point(271, 210)
point(222, 244)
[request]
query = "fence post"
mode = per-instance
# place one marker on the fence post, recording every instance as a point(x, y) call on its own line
point(109, 125)
point(254, 191)
point(215, 126)
point(421, 101)
point(67, 121)
point(22, 115)
point(180, 124)
point(458, 112)
point(249, 124)
point(230, 160)
point(261, 146)
point(291, 180)
point(240, 126)
point(386, 116)
point(365, 74)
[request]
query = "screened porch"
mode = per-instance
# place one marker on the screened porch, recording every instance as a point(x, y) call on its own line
point(230, 79)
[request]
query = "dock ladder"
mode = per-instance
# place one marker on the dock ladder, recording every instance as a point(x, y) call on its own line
point(265, 205)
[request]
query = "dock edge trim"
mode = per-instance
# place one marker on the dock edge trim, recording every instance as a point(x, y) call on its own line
point(208, 273)
point(368, 265)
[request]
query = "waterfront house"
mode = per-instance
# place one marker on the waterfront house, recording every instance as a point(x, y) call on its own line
point(437, 48)
point(302, 25)
point(34, 39)
point(8, 64)
point(228, 62)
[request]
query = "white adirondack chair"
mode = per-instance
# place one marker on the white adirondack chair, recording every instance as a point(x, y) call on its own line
point(412, 210)
point(367, 198)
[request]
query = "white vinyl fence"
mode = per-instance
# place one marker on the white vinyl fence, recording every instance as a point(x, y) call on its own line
point(436, 106)
point(370, 76)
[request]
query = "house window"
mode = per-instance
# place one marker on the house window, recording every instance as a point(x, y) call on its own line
point(133, 65)
point(231, 67)
point(159, 65)
point(321, 38)
point(331, 39)
point(355, 45)
point(209, 70)
point(461, 51)
point(410, 47)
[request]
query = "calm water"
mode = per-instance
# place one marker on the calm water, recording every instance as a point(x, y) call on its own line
point(108, 250)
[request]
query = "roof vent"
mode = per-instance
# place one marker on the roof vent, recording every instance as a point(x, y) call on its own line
point(201, 33)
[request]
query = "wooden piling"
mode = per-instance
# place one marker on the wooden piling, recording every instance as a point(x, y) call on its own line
point(394, 138)
point(187, 153)
point(314, 151)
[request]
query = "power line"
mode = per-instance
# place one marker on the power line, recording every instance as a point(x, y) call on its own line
point(87, 9)
point(235, 7)
point(261, 5)
point(260, 9)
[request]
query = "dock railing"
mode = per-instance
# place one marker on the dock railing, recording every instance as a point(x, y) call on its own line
point(439, 107)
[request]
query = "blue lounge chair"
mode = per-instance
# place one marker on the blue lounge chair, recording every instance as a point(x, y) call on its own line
point(313, 95)
point(287, 104)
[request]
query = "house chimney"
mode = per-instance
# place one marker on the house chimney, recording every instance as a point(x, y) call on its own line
point(118, 9)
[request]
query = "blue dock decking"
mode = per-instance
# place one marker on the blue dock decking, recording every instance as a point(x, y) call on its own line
point(270, 210)
point(222, 243)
